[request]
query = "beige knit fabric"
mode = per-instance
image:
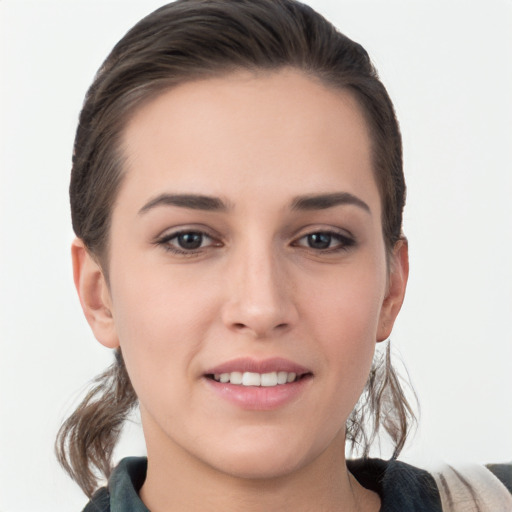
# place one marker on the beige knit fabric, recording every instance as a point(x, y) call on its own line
point(471, 489)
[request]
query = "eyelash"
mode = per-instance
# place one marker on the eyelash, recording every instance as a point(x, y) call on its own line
point(344, 242)
point(166, 242)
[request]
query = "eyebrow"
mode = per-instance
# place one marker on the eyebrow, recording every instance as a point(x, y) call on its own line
point(192, 201)
point(324, 201)
point(211, 203)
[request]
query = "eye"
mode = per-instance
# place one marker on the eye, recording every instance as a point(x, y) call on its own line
point(190, 241)
point(319, 240)
point(187, 242)
point(328, 241)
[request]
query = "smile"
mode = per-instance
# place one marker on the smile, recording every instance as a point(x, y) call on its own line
point(258, 384)
point(256, 379)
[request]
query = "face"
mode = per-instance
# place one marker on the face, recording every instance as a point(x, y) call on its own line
point(248, 281)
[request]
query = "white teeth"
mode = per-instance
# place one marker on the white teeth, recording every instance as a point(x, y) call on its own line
point(256, 379)
point(291, 377)
point(269, 379)
point(282, 377)
point(251, 379)
point(236, 377)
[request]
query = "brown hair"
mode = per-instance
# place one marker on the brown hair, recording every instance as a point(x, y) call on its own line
point(194, 39)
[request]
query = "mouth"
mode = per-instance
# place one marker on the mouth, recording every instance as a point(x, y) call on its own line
point(269, 379)
point(258, 385)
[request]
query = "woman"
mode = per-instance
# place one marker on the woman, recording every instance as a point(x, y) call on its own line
point(237, 196)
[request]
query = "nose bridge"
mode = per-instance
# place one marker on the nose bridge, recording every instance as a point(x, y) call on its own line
point(258, 297)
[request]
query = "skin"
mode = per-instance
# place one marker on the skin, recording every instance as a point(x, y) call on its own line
point(256, 287)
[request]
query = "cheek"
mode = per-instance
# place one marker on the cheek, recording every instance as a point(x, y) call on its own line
point(156, 303)
point(161, 319)
point(345, 317)
point(348, 302)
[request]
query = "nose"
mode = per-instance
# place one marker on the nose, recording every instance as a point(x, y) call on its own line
point(259, 294)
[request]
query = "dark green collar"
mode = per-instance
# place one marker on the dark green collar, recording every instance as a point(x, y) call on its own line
point(401, 487)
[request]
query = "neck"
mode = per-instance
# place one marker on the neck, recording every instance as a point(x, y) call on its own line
point(178, 482)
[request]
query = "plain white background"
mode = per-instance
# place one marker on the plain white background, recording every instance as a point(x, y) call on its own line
point(448, 68)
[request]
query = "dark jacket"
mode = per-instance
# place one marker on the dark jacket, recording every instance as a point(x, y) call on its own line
point(401, 487)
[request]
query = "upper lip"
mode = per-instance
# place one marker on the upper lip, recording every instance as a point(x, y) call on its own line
point(247, 364)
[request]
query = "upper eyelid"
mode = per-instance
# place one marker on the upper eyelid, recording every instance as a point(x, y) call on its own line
point(176, 234)
point(169, 233)
point(168, 242)
point(333, 234)
point(309, 230)
point(326, 232)
point(304, 231)
point(344, 238)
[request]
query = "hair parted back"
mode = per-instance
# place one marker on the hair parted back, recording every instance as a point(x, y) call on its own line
point(196, 39)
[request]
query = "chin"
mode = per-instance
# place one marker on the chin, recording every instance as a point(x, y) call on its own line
point(261, 459)
point(259, 467)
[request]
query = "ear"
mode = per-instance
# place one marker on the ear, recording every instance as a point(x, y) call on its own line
point(397, 282)
point(94, 294)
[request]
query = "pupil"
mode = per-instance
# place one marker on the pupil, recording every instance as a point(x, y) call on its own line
point(190, 240)
point(319, 240)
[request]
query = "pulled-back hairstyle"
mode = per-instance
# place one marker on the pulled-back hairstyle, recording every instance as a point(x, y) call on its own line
point(189, 40)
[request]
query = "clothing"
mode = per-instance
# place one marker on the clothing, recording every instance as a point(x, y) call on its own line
point(472, 489)
point(401, 487)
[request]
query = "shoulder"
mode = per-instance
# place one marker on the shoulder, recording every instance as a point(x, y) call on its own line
point(503, 472)
point(401, 487)
point(123, 487)
point(100, 502)
point(475, 487)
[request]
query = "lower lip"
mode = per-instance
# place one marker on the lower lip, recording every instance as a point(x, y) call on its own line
point(259, 398)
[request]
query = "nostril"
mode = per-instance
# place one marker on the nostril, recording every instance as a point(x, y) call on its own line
point(239, 325)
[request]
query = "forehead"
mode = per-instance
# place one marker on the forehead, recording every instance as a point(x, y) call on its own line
point(250, 130)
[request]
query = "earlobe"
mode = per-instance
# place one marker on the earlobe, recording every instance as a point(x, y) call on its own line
point(397, 283)
point(94, 294)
